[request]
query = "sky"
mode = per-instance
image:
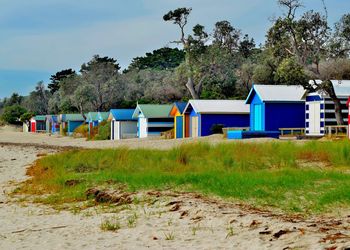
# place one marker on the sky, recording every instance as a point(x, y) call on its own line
point(40, 37)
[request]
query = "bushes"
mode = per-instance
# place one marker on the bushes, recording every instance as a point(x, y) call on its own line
point(12, 114)
point(103, 131)
point(82, 131)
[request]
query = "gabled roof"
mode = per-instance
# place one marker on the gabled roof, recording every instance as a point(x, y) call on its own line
point(277, 93)
point(152, 110)
point(218, 106)
point(341, 88)
point(73, 117)
point(103, 116)
point(177, 106)
point(92, 116)
point(122, 114)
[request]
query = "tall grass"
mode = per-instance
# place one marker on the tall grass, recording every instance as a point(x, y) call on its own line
point(310, 177)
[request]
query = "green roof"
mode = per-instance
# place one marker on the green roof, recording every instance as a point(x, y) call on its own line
point(40, 117)
point(92, 116)
point(104, 115)
point(74, 117)
point(153, 110)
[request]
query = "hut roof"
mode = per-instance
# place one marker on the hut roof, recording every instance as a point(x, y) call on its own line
point(122, 114)
point(153, 110)
point(40, 117)
point(73, 117)
point(218, 106)
point(277, 93)
point(341, 88)
point(103, 116)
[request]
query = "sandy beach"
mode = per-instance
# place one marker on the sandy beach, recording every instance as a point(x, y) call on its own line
point(165, 220)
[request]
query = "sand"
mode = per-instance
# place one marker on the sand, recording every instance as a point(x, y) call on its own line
point(196, 222)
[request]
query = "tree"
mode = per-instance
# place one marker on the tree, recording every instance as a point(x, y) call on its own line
point(102, 73)
point(13, 113)
point(340, 42)
point(83, 97)
point(307, 40)
point(57, 78)
point(15, 99)
point(38, 100)
point(290, 72)
point(246, 46)
point(160, 59)
point(193, 45)
point(226, 36)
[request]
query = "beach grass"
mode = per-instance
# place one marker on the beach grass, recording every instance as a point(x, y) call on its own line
point(310, 177)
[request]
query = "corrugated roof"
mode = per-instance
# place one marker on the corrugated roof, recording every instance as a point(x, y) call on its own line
point(123, 114)
point(341, 88)
point(153, 110)
point(275, 93)
point(219, 106)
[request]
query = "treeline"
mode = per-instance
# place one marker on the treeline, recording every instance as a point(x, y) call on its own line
point(221, 64)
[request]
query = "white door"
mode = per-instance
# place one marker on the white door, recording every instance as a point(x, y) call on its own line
point(194, 126)
point(142, 127)
point(116, 130)
point(314, 118)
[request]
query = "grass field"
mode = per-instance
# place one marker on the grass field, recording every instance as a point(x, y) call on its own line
point(307, 177)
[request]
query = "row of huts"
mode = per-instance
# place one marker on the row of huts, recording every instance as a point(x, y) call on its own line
point(267, 110)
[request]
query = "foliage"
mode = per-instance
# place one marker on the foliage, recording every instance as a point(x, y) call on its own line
point(285, 175)
point(290, 72)
point(26, 117)
point(81, 131)
point(160, 59)
point(13, 113)
point(54, 86)
point(104, 131)
point(38, 100)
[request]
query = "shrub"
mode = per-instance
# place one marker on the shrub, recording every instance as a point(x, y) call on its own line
point(13, 113)
point(104, 131)
point(81, 131)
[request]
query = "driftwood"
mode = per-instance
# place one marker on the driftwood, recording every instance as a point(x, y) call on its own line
point(108, 196)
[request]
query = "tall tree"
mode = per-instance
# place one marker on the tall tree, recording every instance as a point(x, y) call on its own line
point(160, 59)
point(194, 47)
point(38, 100)
point(57, 78)
point(102, 73)
point(307, 39)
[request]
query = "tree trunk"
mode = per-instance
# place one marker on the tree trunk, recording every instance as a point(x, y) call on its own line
point(191, 88)
point(337, 105)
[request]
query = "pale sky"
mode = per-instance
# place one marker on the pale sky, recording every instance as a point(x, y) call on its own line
point(40, 37)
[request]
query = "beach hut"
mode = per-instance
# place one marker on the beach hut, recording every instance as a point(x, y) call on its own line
point(69, 122)
point(152, 119)
point(26, 127)
point(38, 124)
point(176, 112)
point(202, 115)
point(320, 111)
point(123, 125)
point(276, 106)
point(52, 125)
point(95, 118)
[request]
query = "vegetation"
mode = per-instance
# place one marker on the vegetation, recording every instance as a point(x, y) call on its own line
point(310, 177)
point(301, 45)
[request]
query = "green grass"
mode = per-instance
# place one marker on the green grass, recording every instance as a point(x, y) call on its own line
point(307, 178)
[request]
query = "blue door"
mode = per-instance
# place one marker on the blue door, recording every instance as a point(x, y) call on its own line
point(258, 126)
point(179, 127)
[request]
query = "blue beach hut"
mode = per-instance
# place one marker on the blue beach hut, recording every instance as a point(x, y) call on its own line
point(70, 122)
point(202, 115)
point(276, 106)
